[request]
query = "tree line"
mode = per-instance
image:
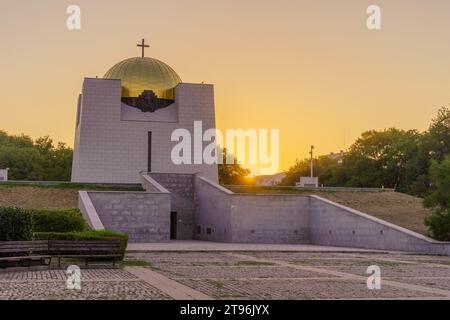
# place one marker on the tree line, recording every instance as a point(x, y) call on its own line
point(39, 160)
point(390, 158)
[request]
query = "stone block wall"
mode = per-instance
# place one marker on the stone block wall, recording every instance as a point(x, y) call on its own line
point(208, 211)
point(143, 216)
point(224, 216)
point(270, 219)
point(181, 188)
point(108, 149)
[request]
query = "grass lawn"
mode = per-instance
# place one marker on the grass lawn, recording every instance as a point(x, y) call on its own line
point(50, 196)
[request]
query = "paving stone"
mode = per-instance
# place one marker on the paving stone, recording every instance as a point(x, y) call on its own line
point(228, 275)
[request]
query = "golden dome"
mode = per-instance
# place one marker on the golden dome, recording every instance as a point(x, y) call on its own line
point(139, 74)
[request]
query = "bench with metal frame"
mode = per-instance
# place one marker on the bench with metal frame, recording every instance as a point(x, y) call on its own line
point(24, 253)
point(87, 250)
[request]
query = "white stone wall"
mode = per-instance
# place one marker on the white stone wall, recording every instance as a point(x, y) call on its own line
point(108, 149)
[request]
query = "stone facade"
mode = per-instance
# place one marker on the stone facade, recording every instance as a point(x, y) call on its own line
point(244, 218)
point(181, 189)
point(207, 211)
point(143, 216)
point(111, 148)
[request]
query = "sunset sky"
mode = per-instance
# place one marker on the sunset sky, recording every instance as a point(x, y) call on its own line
point(310, 68)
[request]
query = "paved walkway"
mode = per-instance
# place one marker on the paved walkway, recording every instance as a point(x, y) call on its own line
point(164, 284)
point(205, 246)
point(303, 275)
point(345, 275)
point(254, 275)
point(96, 284)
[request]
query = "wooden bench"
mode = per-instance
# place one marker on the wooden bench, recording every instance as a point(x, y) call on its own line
point(109, 250)
point(24, 253)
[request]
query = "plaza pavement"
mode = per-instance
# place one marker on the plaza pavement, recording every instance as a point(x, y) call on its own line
point(218, 271)
point(193, 245)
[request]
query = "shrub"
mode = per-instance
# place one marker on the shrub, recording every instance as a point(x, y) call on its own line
point(439, 199)
point(58, 221)
point(439, 225)
point(15, 225)
point(81, 235)
point(85, 235)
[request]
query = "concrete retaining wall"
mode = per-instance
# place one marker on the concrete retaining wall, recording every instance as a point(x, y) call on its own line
point(88, 211)
point(207, 211)
point(252, 218)
point(270, 219)
point(181, 189)
point(212, 212)
point(143, 216)
point(332, 224)
point(222, 215)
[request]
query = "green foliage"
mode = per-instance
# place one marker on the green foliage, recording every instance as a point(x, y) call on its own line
point(19, 224)
point(81, 235)
point(233, 174)
point(391, 158)
point(135, 263)
point(440, 177)
point(439, 199)
point(58, 220)
point(39, 160)
point(439, 225)
point(15, 225)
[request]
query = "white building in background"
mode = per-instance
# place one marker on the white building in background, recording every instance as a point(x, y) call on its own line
point(308, 182)
point(270, 180)
point(125, 121)
point(4, 175)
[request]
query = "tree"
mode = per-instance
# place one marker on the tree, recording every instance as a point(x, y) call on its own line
point(437, 138)
point(439, 199)
point(233, 174)
point(392, 158)
point(39, 160)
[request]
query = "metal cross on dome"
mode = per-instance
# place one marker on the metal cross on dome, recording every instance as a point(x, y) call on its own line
point(143, 46)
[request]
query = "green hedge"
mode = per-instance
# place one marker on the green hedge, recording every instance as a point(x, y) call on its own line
point(15, 225)
point(58, 220)
point(82, 235)
point(85, 235)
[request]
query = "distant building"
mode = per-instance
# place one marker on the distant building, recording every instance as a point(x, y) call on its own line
point(339, 157)
point(308, 182)
point(3, 175)
point(270, 180)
